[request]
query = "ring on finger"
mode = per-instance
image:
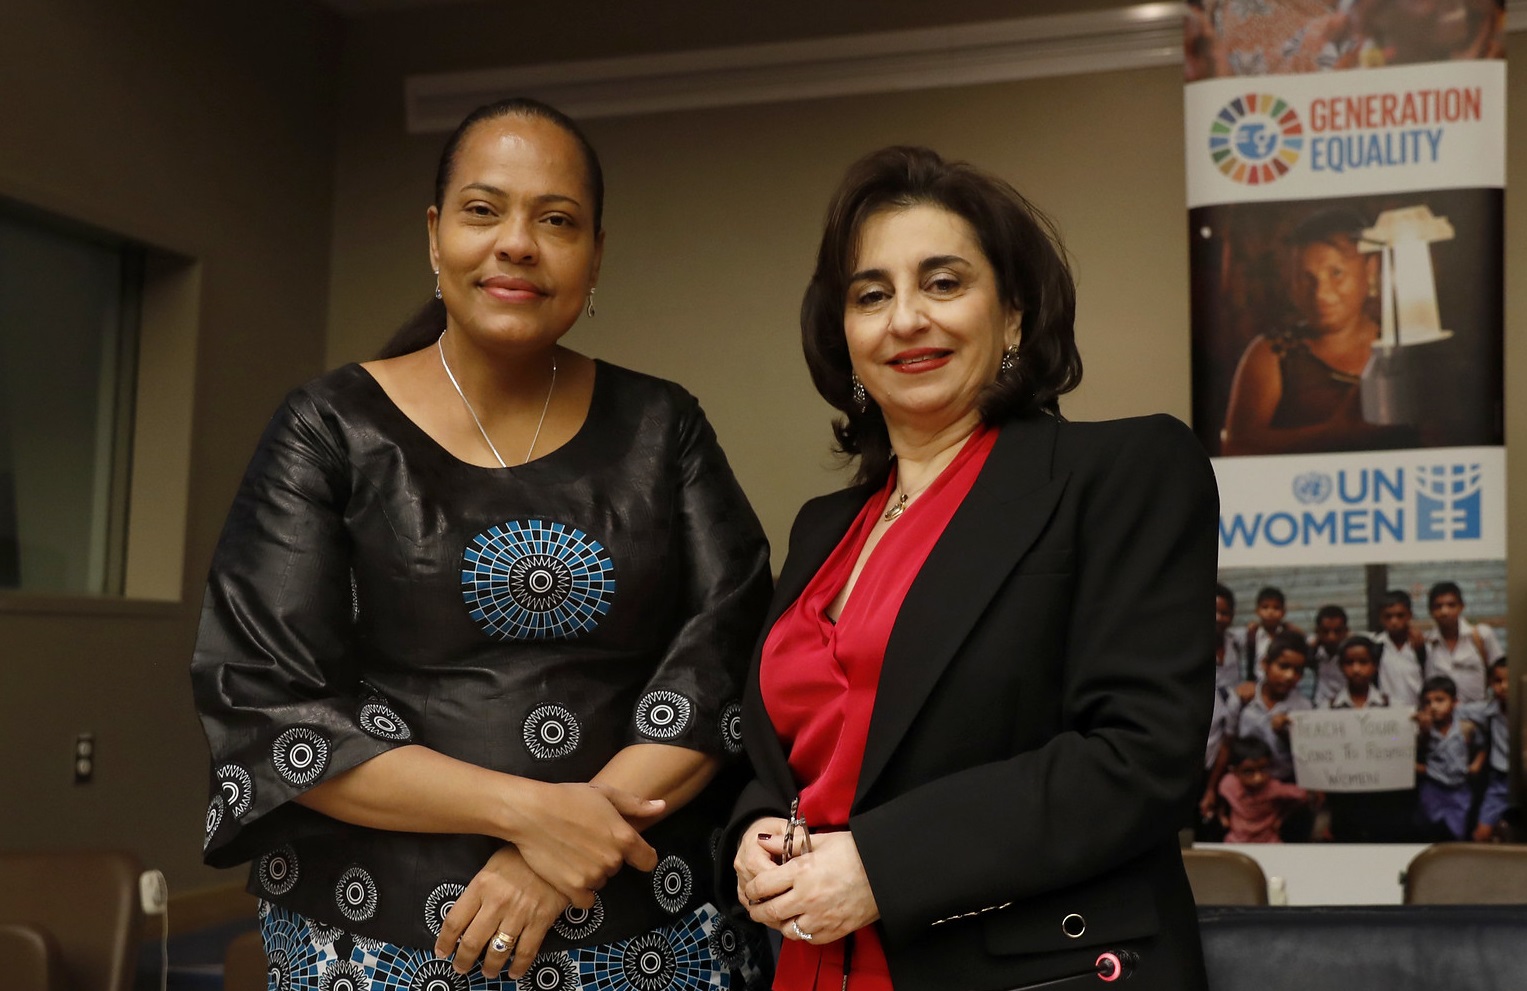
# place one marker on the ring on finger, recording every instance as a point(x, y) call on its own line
point(502, 942)
point(795, 927)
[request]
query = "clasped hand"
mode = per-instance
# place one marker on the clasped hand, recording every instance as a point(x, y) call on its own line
point(577, 835)
point(825, 892)
point(574, 838)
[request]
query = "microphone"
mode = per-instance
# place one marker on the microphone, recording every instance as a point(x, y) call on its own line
point(1110, 966)
point(1116, 965)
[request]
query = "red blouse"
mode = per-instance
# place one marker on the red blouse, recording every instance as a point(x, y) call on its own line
point(819, 680)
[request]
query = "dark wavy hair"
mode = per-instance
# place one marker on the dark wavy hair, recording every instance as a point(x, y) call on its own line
point(428, 323)
point(1019, 241)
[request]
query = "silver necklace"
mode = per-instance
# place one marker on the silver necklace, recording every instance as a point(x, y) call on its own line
point(440, 346)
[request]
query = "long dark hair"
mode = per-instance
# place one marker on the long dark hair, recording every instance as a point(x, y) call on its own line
point(428, 322)
point(1024, 249)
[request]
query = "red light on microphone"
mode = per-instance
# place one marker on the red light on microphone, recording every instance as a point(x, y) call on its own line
point(1114, 965)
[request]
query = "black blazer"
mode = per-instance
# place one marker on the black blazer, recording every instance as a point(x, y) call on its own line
point(1037, 736)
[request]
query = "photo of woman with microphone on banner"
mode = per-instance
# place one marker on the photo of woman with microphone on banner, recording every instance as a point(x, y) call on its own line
point(1359, 323)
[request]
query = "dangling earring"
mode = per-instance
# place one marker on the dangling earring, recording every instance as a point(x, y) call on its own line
point(437, 283)
point(1009, 358)
point(589, 306)
point(861, 398)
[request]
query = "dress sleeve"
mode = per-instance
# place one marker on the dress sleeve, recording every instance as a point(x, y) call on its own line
point(693, 698)
point(273, 674)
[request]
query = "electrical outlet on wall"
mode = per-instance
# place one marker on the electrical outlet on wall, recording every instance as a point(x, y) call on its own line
point(84, 758)
point(153, 892)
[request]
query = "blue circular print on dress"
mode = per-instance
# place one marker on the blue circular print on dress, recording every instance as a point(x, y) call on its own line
point(536, 580)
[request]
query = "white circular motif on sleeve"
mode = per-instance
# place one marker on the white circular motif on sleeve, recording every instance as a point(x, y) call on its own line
point(214, 819)
point(649, 962)
point(672, 884)
point(237, 789)
point(551, 972)
point(299, 755)
point(344, 975)
point(551, 731)
point(436, 975)
point(580, 923)
point(662, 715)
point(355, 894)
point(731, 727)
point(439, 904)
point(277, 871)
point(726, 943)
point(323, 934)
point(382, 722)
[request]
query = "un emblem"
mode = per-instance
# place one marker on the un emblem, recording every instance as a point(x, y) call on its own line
point(1312, 487)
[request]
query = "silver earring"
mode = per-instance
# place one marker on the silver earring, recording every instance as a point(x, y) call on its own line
point(437, 283)
point(1009, 358)
point(589, 306)
point(861, 398)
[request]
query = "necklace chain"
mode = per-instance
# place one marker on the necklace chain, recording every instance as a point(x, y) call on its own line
point(900, 501)
point(899, 505)
point(440, 346)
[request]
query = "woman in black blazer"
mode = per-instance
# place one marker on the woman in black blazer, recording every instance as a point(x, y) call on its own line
point(979, 711)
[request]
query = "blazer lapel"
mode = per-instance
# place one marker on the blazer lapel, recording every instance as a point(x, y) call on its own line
point(962, 573)
point(818, 533)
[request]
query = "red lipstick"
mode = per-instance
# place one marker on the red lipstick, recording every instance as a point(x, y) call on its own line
point(914, 361)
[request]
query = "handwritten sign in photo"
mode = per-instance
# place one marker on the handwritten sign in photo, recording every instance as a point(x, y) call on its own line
point(1354, 749)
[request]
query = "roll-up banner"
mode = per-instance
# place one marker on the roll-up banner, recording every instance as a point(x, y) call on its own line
point(1346, 170)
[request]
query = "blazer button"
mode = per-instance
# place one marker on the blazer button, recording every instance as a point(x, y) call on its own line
point(1073, 926)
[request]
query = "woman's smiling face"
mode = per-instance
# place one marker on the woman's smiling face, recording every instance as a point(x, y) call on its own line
point(513, 238)
point(924, 318)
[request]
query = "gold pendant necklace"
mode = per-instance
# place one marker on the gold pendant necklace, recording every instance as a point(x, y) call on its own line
point(897, 508)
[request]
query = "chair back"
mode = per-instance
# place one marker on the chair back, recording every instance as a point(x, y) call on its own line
point(86, 903)
point(31, 959)
point(1467, 874)
point(1224, 877)
point(244, 964)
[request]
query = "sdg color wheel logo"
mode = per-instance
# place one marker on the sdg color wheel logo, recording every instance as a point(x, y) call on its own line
point(1256, 138)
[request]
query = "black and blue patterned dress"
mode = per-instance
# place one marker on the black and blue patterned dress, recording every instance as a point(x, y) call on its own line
point(370, 591)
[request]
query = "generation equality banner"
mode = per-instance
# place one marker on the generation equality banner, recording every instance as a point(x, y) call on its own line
point(1345, 179)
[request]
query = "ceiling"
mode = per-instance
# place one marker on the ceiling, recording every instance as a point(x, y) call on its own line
point(949, 11)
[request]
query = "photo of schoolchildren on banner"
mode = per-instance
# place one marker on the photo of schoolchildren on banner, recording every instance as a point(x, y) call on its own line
point(1346, 173)
point(1361, 704)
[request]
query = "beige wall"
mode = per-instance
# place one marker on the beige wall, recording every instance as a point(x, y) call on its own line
point(209, 135)
point(712, 219)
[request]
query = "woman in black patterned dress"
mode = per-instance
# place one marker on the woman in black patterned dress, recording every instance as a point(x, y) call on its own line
point(474, 634)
